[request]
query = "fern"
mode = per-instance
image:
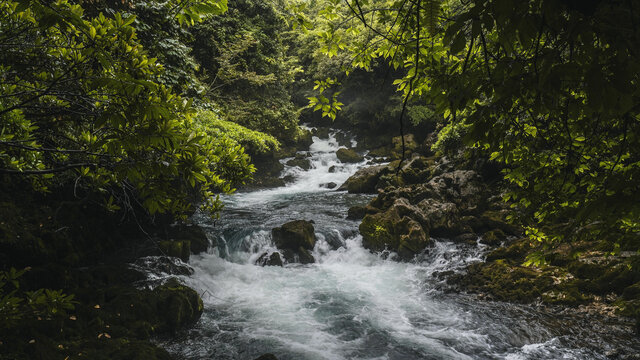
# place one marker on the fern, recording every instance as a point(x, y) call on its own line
point(432, 9)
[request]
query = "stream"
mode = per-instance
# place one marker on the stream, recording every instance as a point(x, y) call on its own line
point(352, 304)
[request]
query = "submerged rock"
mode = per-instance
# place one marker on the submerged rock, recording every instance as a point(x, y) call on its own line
point(269, 260)
point(296, 239)
point(348, 156)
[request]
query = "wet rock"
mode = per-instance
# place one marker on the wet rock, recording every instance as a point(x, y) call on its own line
point(295, 239)
point(163, 265)
point(504, 281)
point(364, 180)
point(493, 238)
point(302, 163)
point(400, 229)
point(348, 156)
point(304, 139)
point(289, 178)
point(329, 185)
point(467, 238)
point(193, 234)
point(267, 357)
point(356, 212)
point(321, 132)
point(332, 169)
point(343, 139)
point(179, 249)
point(267, 259)
point(381, 152)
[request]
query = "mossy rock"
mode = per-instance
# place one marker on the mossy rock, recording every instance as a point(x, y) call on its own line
point(304, 164)
point(389, 231)
point(567, 295)
point(194, 234)
point(179, 249)
point(356, 212)
point(494, 237)
point(348, 156)
point(515, 253)
point(383, 151)
point(294, 234)
point(505, 282)
point(364, 181)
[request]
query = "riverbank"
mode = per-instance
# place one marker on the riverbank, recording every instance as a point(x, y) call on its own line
point(460, 199)
point(80, 285)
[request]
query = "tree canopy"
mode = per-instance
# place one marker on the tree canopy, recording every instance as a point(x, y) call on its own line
point(549, 88)
point(82, 102)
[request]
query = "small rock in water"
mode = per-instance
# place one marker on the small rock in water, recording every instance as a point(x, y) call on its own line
point(267, 357)
point(332, 169)
point(329, 185)
point(269, 260)
point(304, 164)
point(348, 156)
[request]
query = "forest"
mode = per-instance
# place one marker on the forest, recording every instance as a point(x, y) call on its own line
point(326, 179)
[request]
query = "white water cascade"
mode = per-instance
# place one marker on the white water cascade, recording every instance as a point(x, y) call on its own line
point(350, 304)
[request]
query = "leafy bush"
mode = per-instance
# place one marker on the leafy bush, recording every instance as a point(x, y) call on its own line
point(254, 142)
point(82, 103)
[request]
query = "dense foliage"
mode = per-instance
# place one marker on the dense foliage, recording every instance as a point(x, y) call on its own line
point(82, 102)
point(548, 88)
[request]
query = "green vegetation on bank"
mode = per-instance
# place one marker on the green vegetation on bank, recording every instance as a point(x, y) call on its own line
point(547, 88)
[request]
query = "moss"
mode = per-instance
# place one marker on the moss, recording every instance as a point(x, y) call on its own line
point(505, 282)
point(493, 237)
point(516, 252)
point(376, 232)
point(348, 156)
point(565, 295)
point(179, 249)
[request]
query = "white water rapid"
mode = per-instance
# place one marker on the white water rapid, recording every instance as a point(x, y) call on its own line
point(352, 304)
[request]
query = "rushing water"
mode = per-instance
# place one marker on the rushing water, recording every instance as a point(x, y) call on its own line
point(352, 304)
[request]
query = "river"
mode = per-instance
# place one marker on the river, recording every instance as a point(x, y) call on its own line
point(352, 304)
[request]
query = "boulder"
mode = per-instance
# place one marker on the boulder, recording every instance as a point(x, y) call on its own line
point(329, 185)
point(402, 228)
point(194, 234)
point(443, 218)
point(493, 238)
point(179, 249)
point(321, 132)
point(348, 156)
point(364, 180)
point(295, 239)
point(269, 260)
point(356, 212)
point(302, 163)
point(410, 145)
